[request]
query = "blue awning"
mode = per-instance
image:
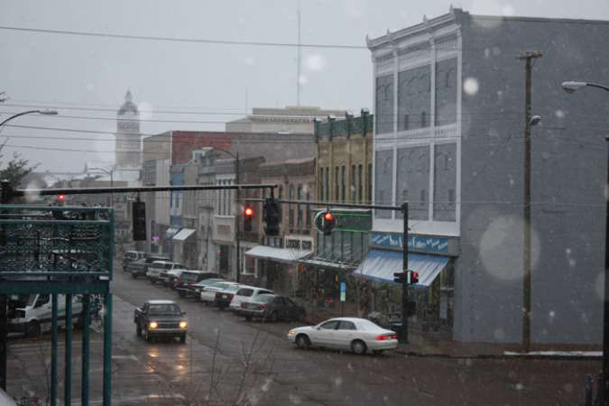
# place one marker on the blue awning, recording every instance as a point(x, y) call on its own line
point(171, 231)
point(380, 265)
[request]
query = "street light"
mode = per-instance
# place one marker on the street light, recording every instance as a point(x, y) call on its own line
point(238, 212)
point(111, 173)
point(23, 113)
point(572, 87)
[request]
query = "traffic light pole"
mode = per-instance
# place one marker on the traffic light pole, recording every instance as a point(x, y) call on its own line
point(404, 336)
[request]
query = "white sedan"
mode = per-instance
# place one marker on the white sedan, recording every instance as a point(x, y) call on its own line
point(208, 294)
point(347, 333)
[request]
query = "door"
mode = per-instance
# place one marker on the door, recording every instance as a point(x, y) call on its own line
point(345, 333)
point(324, 334)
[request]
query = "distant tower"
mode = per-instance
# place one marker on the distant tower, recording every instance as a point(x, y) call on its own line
point(128, 146)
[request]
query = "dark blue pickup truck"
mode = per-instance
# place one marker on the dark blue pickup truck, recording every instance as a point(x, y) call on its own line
point(160, 318)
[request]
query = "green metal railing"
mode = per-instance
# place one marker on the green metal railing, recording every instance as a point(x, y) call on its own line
point(66, 252)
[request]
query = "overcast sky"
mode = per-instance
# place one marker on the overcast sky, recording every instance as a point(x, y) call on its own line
point(61, 71)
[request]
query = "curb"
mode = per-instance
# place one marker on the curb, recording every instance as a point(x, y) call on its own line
point(501, 356)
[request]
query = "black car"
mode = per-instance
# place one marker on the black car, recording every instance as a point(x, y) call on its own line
point(160, 318)
point(272, 308)
point(184, 284)
point(140, 267)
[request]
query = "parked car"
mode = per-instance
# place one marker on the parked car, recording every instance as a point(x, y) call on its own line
point(32, 314)
point(270, 307)
point(131, 256)
point(140, 267)
point(198, 287)
point(208, 294)
point(184, 284)
point(160, 318)
point(247, 294)
point(225, 296)
point(346, 333)
point(154, 270)
point(167, 278)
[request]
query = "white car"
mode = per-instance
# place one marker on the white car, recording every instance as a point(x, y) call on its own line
point(247, 294)
point(347, 333)
point(208, 294)
point(32, 313)
point(157, 267)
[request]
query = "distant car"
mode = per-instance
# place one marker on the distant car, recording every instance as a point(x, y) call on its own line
point(154, 270)
point(225, 296)
point(184, 284)
point(247, 294)
point(167, 278)
point(198, 287)
point(140, 267)
point(270, 307)
point(160, 318)
point(131, 256)
point(346, 333)
point(208, 294)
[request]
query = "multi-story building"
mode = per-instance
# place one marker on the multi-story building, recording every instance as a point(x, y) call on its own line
point(292, 119)
point(449, 125)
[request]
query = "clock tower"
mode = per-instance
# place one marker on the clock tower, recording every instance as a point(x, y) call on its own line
point(128, 145)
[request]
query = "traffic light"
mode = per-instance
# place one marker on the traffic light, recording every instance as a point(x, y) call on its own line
point(399, 277)
point(248, 215)
point(61, 199)
point(272, 216)
point(325, 222)
point(413, 277)
point(138, 210)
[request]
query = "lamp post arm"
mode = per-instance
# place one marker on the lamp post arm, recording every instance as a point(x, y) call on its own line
point(23, 113)
point(597, 85)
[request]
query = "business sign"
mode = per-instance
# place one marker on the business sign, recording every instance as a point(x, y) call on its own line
point(343, 291)
point(415, 242)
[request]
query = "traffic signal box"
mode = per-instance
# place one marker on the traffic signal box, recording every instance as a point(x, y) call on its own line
point(248, 215)
point(138, 211)
point(272, 216)
point(407, 278)
point(325, 221)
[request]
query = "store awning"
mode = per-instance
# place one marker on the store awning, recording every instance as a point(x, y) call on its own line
point(277, 254)
point(183, 234)
point(171, 231)
point(380, 265)
point(324, 263)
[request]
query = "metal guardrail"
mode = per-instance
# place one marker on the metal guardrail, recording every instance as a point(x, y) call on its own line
point(57, 242)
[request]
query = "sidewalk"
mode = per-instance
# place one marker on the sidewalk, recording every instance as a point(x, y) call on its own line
point(431, 345)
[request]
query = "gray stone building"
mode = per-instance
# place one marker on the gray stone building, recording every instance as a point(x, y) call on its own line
point(449, 128)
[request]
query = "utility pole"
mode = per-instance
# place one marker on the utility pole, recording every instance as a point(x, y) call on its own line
point(298, 61)
point(5, 198)
point(237, 218)
point(405, 286)
point(527, 56)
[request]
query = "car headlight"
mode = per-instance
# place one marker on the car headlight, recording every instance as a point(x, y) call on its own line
point(291, 333)
point(153, 324)
point(183, 324)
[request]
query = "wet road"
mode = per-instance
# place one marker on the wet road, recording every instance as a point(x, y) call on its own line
point(227, 360)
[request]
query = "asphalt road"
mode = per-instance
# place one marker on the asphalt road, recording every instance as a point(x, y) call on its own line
point(227, 360)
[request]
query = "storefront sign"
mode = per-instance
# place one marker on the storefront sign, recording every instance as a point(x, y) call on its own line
point(343, 291)
point(415, 242)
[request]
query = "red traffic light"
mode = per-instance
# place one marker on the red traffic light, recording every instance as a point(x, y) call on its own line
point(61, 198)
point(249, 212)
point(328, 216)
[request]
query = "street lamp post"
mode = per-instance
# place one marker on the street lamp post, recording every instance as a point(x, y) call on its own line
point(111, 173)
point(572, 87)
point(238, 212)
point(3, 298)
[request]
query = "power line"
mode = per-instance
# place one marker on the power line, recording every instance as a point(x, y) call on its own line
point(184, 40)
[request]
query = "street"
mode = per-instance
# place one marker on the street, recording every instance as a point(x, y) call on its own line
point(227, 360)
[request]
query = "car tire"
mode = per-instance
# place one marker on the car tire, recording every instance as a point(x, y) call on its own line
point(377, 352)
point(138, 330)
point(134, 276)
point(303, 342)
point(181, 293)
point(272, 317)
point(33, 329)
point(183, 339)
point(358, 347)
point(146, 335)
point(248, 318)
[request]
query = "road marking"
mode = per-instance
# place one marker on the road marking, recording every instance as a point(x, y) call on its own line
point(131, 357)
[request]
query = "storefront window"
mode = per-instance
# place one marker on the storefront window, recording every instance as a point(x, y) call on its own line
point(383, 182)
point(413, 181)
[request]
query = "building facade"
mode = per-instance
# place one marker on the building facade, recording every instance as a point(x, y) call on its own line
point(292, 119)
point(449, 123)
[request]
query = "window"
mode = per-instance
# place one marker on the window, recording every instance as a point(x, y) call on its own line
point(353, 190)
point(413, 181)
point(446, 92)
point(291, 208)
point(299, 221)
point(330, 325)
point(343, 183)
point(321, 184)
point(327, 183)
point(445, 181)
point(414, 97)
point(384, 104)
point(369, 184)
point(336, 185)
point(346, 325)
point(383, 181)
point(360, 184)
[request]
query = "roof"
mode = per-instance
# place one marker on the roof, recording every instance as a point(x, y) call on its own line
point(160, 302)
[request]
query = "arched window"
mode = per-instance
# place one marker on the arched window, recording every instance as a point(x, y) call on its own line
point(299, 222)
point(352, 189)
point(360, 184)
point(343, 183)
point(291, 209)
point(336, 185)
point(308, 219)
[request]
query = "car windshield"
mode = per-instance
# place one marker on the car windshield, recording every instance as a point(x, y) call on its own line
point(265, 298)
point(163, 309)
